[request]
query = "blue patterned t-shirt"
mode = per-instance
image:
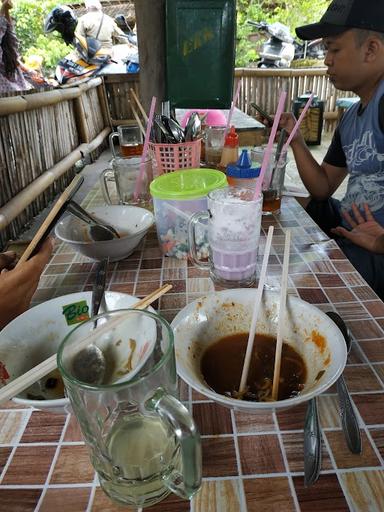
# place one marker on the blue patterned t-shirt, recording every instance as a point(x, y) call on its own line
point(362, 141)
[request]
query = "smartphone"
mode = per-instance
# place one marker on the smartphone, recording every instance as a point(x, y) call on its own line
point(263, 113)
point(52, 218)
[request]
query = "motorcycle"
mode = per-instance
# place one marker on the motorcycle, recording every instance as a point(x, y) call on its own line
point(278, 51)
point(88, 58)
point(281, 48)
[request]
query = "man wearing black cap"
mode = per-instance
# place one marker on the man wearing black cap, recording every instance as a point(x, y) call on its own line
point(353, 34)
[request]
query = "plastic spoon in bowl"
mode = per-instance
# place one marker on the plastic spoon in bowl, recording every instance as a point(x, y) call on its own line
point(98, 230)
point(348, 417)
point(89, 364)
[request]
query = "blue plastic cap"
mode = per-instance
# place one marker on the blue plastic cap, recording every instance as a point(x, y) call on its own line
point(243, 168)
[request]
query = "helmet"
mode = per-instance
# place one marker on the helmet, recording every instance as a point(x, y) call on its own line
point(63, 20)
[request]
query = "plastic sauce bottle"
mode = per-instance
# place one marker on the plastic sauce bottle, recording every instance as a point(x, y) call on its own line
point(230, 152)
point(242, 174)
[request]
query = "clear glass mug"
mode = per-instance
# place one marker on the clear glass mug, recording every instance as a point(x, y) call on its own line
point(124, 173)
point(130, 141)
point(214, 144)
point(143, 442)
point(273, 181)
point(233, 223)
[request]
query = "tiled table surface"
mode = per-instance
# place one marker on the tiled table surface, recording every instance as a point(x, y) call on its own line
point(251, 463)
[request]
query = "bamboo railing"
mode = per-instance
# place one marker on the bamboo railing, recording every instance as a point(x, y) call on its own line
point(42, 135)
point(263, 86)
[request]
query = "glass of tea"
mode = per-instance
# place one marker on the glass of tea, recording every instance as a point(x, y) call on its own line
point(143, 442)
point(130, 141)
point(273, 181)
point(123, 173)
point(214, 143)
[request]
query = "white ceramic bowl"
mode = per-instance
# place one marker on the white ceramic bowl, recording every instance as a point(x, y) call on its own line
point(131, 222)
point(219, 314)
point(36, 335)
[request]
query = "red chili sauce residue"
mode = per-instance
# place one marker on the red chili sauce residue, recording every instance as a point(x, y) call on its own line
point(4, 375)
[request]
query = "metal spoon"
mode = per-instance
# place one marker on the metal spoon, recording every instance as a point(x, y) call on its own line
point(348, 417)
point(312, 444)
point(89, 364)
point(193, 128)
point(98, 230)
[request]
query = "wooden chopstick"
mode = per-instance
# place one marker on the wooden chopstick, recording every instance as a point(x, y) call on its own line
point(282, 311)
point(252, 330)
point(50, 364)
point(143, 113)
point(51, 218)
point(135, 115)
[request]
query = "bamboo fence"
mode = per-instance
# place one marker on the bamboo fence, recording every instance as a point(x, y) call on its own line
point(117, 90)
point(42, 135)
point(263, 86)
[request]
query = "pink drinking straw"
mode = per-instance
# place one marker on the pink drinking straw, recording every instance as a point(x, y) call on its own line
point(297, 126)
point(140, 177)
point(233, 105)
point(268, 151)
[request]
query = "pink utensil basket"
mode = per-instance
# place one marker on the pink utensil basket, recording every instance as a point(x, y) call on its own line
point(171, 157)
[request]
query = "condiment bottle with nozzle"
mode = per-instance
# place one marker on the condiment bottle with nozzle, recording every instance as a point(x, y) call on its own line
point(242, 174)
point(230, 152)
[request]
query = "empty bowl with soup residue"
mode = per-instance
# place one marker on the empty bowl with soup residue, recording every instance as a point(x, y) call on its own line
point(131, 222)
point(211, 335)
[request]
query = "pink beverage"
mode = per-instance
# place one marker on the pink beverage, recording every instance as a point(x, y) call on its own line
point(233, 219)
point(235, 265)
point(233, 235)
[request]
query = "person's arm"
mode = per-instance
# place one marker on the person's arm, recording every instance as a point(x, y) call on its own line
point(80, 28)
point(321, 180)
point(18, 285)
point(366, 232)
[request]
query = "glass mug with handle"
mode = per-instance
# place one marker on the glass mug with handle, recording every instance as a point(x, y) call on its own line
point(233, 223)
point(143, 442)
point(124, 173)
point(130, 141)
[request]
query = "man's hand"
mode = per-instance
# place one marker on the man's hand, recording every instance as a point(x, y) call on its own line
point(365, 232)
point(18, 285)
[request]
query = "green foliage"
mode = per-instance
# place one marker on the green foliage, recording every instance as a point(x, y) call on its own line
point(29, 18)
point(292, 13)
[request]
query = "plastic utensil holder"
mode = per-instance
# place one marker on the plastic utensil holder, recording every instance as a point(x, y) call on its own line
point(171, 157)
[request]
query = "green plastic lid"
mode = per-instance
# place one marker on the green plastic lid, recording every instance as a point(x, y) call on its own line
point(187, 184)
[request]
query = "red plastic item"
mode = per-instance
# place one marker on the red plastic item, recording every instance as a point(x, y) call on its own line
point(231, 139)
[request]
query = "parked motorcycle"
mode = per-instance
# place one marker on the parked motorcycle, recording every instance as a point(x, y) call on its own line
point(278, 51)
point(281, 48)
point(88, 58)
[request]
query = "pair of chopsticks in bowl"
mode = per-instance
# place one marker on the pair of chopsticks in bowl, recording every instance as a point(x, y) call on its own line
point(41, 370)
point(282, 308)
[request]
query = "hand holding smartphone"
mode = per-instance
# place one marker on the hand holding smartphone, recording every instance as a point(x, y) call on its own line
point(263, 113)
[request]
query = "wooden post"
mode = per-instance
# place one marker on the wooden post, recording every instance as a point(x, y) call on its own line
point(150, 19)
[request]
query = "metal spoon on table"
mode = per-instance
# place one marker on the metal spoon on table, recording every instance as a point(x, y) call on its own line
point(348, 417)
point(89, 364)
point(312, 444)
point(98, 230)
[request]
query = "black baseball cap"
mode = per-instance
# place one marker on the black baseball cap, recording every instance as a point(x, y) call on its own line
point(342, 15)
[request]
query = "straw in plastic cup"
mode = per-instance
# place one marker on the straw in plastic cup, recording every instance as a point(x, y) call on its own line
point(140, 177)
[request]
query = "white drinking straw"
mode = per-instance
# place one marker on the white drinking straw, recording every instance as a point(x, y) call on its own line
point(233, 105)
point(139, 179)
point(256, 307)
point(280, 324)
point(297, 126)
point(268, 151)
